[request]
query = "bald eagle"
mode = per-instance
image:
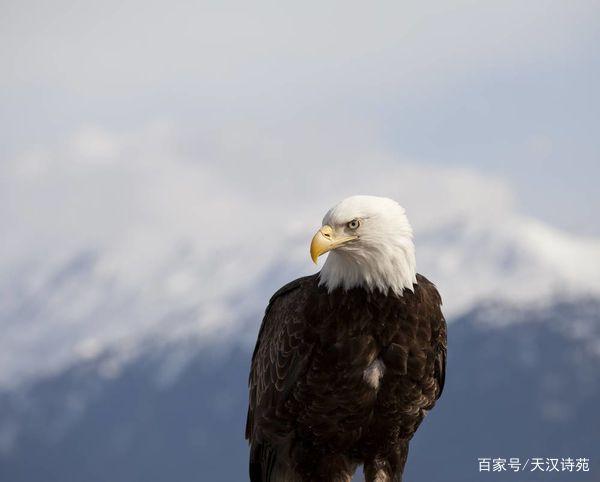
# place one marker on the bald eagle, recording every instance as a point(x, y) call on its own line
point(348, 361)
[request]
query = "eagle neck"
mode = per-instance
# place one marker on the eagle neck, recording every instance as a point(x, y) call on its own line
point(384, 270)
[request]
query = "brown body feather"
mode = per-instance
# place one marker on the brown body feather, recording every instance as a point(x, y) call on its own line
point(312, 414)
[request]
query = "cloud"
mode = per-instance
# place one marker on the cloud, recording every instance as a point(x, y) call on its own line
point(495, 85)
point(102, 190)
point(132, 45)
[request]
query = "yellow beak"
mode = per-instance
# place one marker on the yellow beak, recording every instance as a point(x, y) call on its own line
point(325, 240)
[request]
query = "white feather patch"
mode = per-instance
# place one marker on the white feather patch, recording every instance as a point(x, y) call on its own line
point(374, 373)
point(381, 476)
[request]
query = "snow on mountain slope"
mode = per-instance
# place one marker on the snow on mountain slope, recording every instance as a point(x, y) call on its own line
point(112, 240)
point(512, 259)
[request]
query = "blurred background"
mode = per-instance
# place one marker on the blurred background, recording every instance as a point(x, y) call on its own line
point(163, 166)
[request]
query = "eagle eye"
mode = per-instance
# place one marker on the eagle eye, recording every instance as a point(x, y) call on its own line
point(355, 223)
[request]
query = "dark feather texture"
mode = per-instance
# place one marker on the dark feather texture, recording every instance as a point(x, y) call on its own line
point(313, 414)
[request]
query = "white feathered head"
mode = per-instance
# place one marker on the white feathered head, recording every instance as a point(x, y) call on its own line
point(369, 240)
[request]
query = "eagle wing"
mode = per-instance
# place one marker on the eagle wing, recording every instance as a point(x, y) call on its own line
point(431, 305)
point(440, 358)
point(438, 336)
point(282, 353)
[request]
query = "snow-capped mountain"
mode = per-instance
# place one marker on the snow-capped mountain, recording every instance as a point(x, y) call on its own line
point(79, 308)
point(115, 241)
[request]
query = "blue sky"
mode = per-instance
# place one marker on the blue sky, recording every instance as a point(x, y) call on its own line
point(506, 88)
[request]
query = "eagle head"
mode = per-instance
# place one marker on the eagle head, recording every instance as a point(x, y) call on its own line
point(370, 245)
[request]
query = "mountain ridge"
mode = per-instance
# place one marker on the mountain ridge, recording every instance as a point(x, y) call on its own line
point(79, 308)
